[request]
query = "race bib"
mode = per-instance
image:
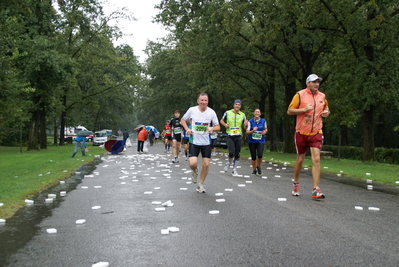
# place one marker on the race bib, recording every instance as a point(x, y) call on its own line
point(201, 127)
point(257, 135)
point(177, 130)
point(167, 131)
point(234, 130)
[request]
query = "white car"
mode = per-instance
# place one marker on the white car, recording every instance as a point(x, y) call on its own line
point(100, 138)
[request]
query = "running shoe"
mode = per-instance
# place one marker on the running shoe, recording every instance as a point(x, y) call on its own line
point(234, 173)
point(194, 176)
point(200, 188)
point(295, 190)
point(253, 172)
point(226, 167)
point(176, 160)
point(259, 170)
point(316, 193)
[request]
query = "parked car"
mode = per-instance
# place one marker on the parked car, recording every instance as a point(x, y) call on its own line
point(100, 138)
point(221, 140)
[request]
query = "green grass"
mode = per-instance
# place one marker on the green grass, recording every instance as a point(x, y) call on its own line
point(379, 172)
point(24, 174)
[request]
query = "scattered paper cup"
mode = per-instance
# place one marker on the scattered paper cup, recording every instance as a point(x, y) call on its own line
point(100, 264)
point(164, 231)
point(166, 203)
point(51, 230)
point(173, 229)
point(160, 209)
point(80, 221)
point(374, 208)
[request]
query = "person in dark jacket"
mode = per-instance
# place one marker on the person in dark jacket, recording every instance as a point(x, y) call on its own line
point(125, 136)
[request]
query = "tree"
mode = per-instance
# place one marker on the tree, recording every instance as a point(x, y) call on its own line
point(366, 55)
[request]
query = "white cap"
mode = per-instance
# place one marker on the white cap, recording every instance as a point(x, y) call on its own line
point(312, 78)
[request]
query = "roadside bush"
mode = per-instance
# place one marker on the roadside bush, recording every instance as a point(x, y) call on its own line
point(382, 155)
point(9, 137)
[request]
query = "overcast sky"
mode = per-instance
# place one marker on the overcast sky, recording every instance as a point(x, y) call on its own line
point(142, 28)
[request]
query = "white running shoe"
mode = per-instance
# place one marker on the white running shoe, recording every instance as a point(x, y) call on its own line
point(200, 188)
point(194, 176)
point(234, 173)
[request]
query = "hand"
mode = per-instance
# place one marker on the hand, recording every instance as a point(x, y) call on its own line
point(308, 107)
point(255, 129)
point(325, 113)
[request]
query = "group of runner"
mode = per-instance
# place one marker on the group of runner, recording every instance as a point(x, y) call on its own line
point(199, 126)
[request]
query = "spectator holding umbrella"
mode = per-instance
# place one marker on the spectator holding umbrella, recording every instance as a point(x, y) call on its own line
point(80, 142)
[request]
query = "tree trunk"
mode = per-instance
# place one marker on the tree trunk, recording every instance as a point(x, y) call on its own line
point(55, 135)
point(289, 146)
point(33, 142)
point(368, 135)
point(62, 122)
point(272, 112)
point(43, 132)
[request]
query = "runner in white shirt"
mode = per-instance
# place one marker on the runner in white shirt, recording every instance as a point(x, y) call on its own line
point(200, 118)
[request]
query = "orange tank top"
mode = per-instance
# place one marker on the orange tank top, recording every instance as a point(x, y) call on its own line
point(311, 121)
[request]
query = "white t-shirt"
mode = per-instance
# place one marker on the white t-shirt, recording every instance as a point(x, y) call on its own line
point(199, 123)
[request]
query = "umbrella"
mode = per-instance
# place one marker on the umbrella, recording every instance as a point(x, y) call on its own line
point(150, 127)
point(138, 127)
point(85, 132)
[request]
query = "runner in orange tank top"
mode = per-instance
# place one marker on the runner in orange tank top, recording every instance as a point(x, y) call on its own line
point(309, 105)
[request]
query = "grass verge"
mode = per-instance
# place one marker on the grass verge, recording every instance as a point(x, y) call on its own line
point(378, 172)
point(27, 173)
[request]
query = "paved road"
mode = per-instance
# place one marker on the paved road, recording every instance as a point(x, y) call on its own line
point(254, 226)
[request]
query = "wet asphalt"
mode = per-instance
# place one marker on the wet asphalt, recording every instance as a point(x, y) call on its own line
point(259, 222)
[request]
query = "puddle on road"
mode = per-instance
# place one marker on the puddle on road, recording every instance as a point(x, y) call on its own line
point(23, 226)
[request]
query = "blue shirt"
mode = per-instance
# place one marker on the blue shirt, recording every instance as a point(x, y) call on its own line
point(257, 137)
point(81, 138)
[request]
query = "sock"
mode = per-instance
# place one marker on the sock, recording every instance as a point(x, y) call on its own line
point(235, 164)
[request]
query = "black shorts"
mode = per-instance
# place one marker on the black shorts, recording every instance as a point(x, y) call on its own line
point(168, 137)
point(177, 137)
point(194, 151)
point(212, 143)
point(185, 141)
